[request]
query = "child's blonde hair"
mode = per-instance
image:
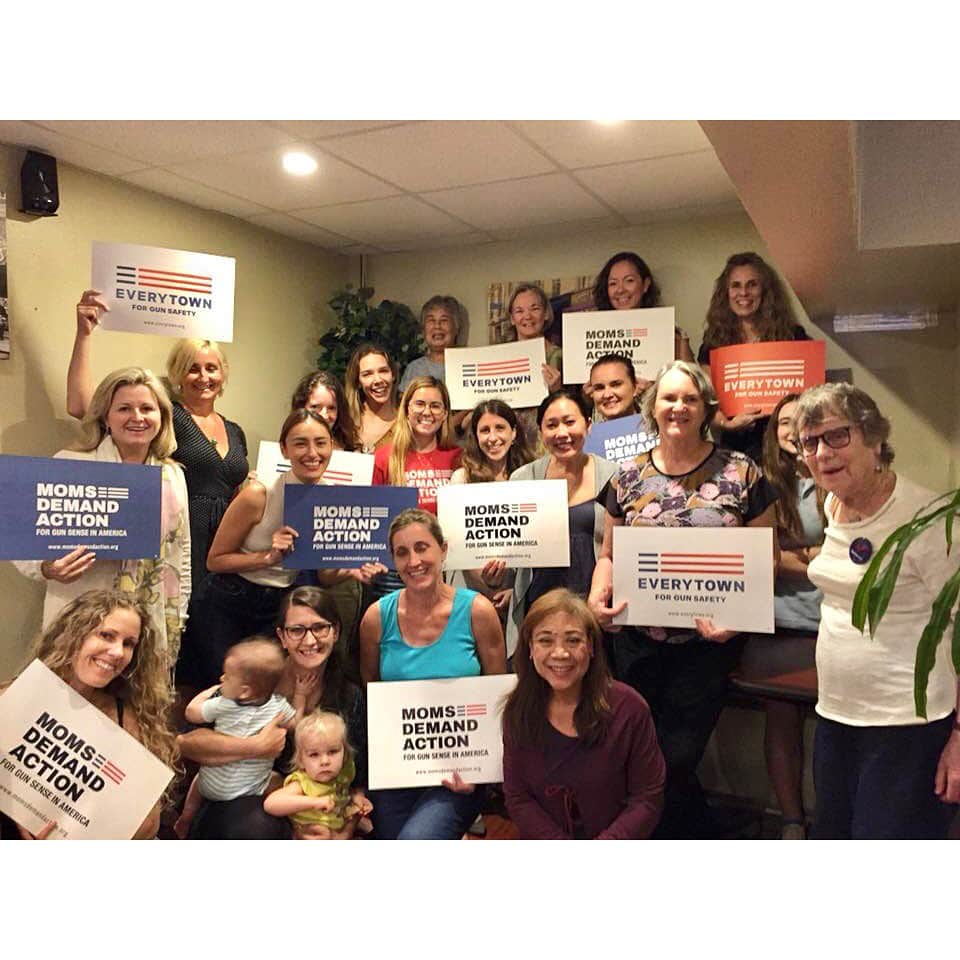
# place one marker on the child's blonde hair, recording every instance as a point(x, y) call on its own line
point(322, 723)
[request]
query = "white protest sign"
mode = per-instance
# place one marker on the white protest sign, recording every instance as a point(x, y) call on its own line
point(344, 469)
point(174, 293)
point(420, 732)
point(645, 336)
point(511, 371)
point(524, 522)
point(63, 759)
point(671, 575)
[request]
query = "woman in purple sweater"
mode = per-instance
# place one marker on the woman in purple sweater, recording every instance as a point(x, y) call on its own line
point(580, 757)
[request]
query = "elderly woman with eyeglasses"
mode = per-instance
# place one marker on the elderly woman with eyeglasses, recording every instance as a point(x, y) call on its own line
point(880, 770)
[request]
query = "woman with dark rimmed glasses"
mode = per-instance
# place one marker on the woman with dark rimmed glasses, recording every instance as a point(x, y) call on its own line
point(880, 770)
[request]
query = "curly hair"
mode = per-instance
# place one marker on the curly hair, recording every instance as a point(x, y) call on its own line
point(344, 431)
point(402, 439)
point(601, 294)
point(774, 319)
point(525, 711)
point(474, 461)
point(93, 426)
point(144, 686)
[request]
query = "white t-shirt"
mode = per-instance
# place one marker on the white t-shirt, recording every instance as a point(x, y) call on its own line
point(864, 680)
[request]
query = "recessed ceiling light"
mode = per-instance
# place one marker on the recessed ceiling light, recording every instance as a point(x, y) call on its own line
point(608, 123)
point(299, 164)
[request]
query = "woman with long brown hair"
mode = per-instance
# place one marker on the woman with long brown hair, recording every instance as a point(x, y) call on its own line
point(371, 388)
point(748, 305)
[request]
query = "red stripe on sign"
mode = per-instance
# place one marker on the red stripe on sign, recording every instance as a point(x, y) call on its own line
point(173, 273)
point(110, 775)
point(110, 765)
point(729, 573)
point(711, 556)
point(170, 286)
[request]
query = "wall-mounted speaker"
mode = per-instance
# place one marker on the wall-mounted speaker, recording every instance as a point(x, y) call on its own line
point(39, 193)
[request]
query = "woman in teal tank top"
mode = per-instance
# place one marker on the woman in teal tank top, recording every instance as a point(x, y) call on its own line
point(426, 631)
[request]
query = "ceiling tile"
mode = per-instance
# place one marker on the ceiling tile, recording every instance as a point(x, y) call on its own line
point(433, 155)
point(392, 220)
point(438, 243)
point(160, 143)
point(690, 181)
point(170, 185)
point(29, 135)
point(318, 129)
point(519, 203)
point(586, 143)
point(261, 178)
point(561, 228)
point(291, 227)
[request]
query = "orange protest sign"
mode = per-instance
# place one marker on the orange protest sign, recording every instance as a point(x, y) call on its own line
point(759, 374)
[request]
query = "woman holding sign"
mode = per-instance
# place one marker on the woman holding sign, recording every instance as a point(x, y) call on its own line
point(427, 631)
point(626, 283)
point(242, 594)
point(129, 420)
point(749, 305)
point(685, 481)
point(371, 385)
point(580, 754)
point(105, 645)
point(881, 771)
point(211, 449)
point(564, 421)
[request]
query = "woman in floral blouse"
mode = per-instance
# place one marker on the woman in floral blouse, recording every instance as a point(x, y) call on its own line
point(685, 481)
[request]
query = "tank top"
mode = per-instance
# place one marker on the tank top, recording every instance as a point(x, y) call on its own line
point(452, 654)
point(260, 538)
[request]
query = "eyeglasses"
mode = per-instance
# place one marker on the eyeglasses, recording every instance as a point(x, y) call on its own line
point(418, 406)
point(835, 439)
point(320, 631)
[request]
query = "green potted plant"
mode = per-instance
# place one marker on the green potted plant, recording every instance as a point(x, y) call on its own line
point(873, 594)
point(391, 324)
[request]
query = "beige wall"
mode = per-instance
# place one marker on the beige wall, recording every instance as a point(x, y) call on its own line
point(281, 295)
point(898, 369)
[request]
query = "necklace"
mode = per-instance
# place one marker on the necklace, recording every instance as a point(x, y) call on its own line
point(200, 422)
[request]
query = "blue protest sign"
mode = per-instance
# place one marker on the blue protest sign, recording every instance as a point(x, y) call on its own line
point(342, 526)
point(619, 440)
point(51, 506)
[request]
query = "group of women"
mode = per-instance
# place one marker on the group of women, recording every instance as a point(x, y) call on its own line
point(606, 727)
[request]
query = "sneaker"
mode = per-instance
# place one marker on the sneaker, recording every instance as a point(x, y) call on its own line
point(793, 831)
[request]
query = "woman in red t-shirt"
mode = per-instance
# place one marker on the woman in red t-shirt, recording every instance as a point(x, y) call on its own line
point(422, 453)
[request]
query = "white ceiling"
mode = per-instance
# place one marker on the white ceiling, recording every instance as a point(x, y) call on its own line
point(390, 185)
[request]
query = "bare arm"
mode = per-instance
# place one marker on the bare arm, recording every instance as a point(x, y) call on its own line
point(290, 799)
point(601, 587)
point(491, 648)
point(243, 514)
point(212, 749)
point(370, 630)
point(79, 375)
point(194, 710)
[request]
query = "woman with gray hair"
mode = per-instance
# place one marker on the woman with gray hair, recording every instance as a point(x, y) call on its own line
point(880, 770)
point(685, 481)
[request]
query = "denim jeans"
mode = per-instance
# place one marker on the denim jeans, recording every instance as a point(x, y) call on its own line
point(876, 783)
point(424, 813)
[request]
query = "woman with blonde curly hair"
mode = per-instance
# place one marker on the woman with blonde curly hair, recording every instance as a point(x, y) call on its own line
point(129, 419)
point(105, 645)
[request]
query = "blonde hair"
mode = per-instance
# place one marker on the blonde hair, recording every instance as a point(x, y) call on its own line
point(320, 723)
point(402, 437)
point(181, 358)
point(93, 427)
point(144, 686)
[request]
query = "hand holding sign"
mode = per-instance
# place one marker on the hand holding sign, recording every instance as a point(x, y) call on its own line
point(71, 566)
point(281, 543)
point(708, 631)
point(88, 312)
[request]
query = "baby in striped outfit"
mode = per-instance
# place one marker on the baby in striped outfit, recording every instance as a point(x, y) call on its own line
point(241, 706)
